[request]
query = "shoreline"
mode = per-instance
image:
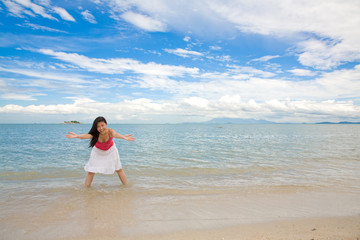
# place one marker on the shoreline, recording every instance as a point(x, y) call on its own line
point(339, 228)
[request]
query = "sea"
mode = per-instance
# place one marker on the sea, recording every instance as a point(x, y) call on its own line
point(181, 177)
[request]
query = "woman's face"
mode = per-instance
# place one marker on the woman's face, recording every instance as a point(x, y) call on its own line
point(101, 127)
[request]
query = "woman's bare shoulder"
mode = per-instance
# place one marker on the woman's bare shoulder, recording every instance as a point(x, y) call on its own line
point(112, 132)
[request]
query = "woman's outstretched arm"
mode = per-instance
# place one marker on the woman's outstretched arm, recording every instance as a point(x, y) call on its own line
point(81, 136)
point(127, 137)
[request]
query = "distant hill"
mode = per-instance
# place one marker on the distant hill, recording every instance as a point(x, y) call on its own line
point(338, 123)
point(255, 121)
point(238, 121)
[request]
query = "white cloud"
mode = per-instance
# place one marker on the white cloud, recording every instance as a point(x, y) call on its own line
point(264, 58)
point(15, 9)
point(119, 65)
point(249, 71)
point(16, 96)
point(187, 39)
point(88, 16)
point(322, 35)
point(223, 58)
point(184, 53)
point(64, 14)
point(325, 54)
point(46, 3)
point(90, 107)
point(39, 27)
point(34, 7)
point(19, 8)
point(334, 20)
point(79, 106)
point(317, 110)
point(226, 106)
point(302, 72)
point(238, 91)
point(3, 84)
point(334, 23)
point(341, 83)
point(196, 102)
point(144, 22)
point(96, 1)
point(215, 48)
point(249, 82)
point(44, 75)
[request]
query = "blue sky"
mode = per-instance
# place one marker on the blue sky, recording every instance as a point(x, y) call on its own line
point(179, 61)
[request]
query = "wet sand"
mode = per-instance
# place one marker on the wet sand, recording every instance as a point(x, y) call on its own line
point(336, 228)
point(106, 213)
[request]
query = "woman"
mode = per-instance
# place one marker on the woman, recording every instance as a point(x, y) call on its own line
point(104, 157)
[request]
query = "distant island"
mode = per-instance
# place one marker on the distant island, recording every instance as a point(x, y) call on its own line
point(338, 123)
point(260, 121)
point(71, 122)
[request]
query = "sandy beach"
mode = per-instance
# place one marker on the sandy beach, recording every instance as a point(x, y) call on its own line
point(107, 213)
point(337, 228)
point(330, 228)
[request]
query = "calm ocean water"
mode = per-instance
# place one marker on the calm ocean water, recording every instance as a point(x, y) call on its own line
point(39, 166)
point(191, 156)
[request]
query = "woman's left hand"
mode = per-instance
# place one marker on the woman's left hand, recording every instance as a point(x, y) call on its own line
point(129, 137)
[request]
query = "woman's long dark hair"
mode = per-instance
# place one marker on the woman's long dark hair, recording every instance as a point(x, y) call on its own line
point(94, 132)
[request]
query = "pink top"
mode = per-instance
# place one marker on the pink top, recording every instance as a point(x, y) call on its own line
point(105, 145)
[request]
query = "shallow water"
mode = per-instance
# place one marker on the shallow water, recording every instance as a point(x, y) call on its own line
point(181, 176)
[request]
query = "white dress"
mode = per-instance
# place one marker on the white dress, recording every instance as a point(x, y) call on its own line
point(104, 161)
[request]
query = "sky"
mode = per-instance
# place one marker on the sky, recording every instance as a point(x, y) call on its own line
point(163, 61)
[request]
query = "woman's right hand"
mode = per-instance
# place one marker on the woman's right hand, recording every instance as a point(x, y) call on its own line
point(71, 135)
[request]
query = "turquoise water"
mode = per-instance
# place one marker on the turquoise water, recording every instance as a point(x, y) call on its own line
point(182, 176)
point(191, 156)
